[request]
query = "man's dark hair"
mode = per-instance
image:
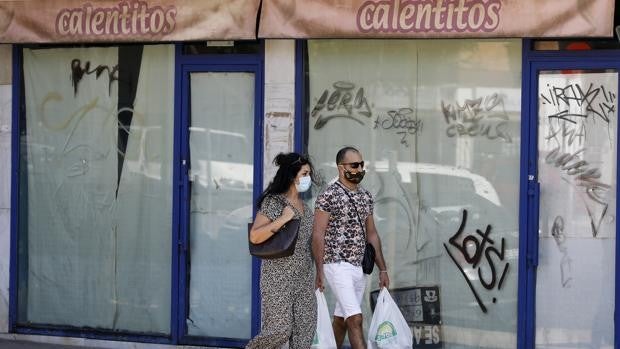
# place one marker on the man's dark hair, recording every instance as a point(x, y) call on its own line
point(342, 152)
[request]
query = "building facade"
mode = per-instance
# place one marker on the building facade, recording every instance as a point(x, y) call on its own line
point(139, 136)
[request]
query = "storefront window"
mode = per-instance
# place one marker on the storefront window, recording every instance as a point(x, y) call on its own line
point(438, 123)
point(95, 188)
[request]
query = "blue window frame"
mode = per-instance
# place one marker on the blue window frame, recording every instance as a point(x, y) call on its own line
point(15, 110)
point(18, 107)
point(183, 65)
point(301, 86)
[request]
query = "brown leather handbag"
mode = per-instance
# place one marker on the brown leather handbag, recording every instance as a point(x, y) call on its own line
point(281, 244)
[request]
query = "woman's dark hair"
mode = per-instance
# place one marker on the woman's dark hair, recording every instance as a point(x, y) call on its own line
point(289, 164)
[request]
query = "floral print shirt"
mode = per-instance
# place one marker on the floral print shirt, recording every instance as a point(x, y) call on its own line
point(345, 238)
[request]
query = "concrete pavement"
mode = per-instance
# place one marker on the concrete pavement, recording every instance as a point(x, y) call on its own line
point(11, 344)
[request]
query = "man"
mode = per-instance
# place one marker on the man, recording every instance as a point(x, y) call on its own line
point(342, 223)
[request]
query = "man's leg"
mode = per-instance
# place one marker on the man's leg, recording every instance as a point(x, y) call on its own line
point(356, 333)
point(355, 322)
point(340, 330)
point(346, 282)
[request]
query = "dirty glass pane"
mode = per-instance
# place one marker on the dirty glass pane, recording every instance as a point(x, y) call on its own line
point(438, 123)
point(221, 146)
point(95, 188)
point(577, 150)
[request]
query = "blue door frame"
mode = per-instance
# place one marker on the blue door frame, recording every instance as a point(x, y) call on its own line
point(533, 63)
point(185, 65)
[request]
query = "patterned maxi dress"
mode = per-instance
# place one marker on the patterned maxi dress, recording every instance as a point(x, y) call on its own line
point(288, 303)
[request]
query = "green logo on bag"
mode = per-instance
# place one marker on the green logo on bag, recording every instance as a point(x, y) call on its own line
point(386, 332)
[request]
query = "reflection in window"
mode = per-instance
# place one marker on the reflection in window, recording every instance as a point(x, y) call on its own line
point(222, 165)
point(438, 123)
point(95, 198)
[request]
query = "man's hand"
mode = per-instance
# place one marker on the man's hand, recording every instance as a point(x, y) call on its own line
point(319, 281)
point(384, 279)
point(321, 219)
point(373, 238)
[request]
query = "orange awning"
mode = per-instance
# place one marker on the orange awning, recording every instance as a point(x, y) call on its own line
point(46, 21)
point(435, 18)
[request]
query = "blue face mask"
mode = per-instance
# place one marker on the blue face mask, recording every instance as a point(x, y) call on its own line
point(304, 184)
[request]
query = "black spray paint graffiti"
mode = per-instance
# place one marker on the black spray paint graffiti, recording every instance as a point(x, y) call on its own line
point(475, 117)
point(469, 244)
point(576, 107)
point(557, 231)
point(341, 104)
point(596, 101)
point(402, 121)
point(77, 73)
point(585, 176)
point(567, 134)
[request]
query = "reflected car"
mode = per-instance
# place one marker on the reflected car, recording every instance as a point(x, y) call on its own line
point(419, 208)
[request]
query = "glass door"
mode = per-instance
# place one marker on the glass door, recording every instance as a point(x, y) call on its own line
point(577, 164)
point(220, 174)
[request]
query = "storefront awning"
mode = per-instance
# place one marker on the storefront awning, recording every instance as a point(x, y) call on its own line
point(435, 18)
point(44, 21)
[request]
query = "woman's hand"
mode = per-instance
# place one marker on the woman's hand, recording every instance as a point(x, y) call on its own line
point(287, 213)
point(264, 228)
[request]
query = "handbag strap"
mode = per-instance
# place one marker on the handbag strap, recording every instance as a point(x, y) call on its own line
point(359, 220)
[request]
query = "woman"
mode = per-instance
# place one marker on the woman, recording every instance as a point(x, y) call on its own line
point(288, 303)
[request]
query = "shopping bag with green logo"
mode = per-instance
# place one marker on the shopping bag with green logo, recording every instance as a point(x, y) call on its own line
point(388, 328)
point(324, 335)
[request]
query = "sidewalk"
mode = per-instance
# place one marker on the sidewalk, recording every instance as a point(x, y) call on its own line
point(11, 344)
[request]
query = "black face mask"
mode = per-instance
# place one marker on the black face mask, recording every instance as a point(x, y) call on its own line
point(354, 177)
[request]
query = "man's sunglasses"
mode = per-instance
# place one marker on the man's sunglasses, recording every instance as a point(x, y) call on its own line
point(354, 164)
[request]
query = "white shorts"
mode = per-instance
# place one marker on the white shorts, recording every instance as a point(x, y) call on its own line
point(348, 284)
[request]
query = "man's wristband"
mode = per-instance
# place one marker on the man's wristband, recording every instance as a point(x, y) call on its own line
point(382, 271)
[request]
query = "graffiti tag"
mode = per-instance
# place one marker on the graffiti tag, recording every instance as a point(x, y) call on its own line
point(472, 249)
point(584, 176)
point(477, 117)
point(341, 103)
point(557, 231)
point(401, 121)
point(589, 100)
point(78, 72)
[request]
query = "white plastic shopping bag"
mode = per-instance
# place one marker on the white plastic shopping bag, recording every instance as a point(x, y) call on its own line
point(388, 328)
point(324, 335)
